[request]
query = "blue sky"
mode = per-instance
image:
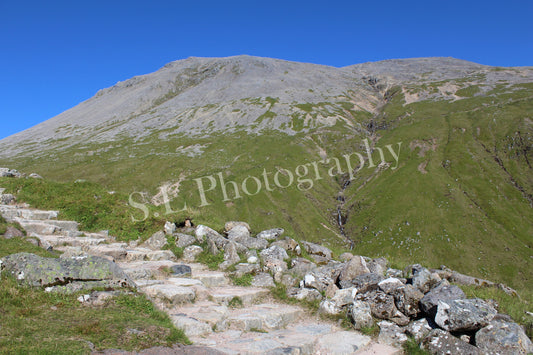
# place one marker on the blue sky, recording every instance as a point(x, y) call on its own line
point(55, 54)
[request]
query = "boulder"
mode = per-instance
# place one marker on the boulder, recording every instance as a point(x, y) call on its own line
point(202, 232)
point(274, 252)
point(407, 299)
point(501, 337)
point(190, 252)
point(34, 270)
point(254, 243)
point(418, 329)
point(211, 246)
point(316, 249)
point(364, 283)
point(271, 234)
point(238, 233)
point(353, 268)
point(390, 285)
point(440, 342)
point(230, 256)
point(287, 243)
point(156, 242)
point(344, 297)
point(12, 232)
point(361, 315)
point(464, 315)
point(229, 225)
point(329, 307)
point(424, 280)
point(181, 270)
point(377, 266)
point(443, 292)
point(246, 268)
point(383, 307)
point(184, 240)
point(391, 334)
point(301, 266)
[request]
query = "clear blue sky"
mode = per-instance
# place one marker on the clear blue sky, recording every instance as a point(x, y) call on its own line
point(55, 54)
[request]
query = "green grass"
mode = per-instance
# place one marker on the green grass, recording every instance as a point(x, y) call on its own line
point(244, 280)
point(171, 245)
point(212, 261)
point(21, 245)
point(235, 302)
point(34, 321)
point(411, 347)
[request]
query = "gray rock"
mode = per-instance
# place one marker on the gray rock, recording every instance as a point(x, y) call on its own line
point(503, 338)
point(190, 252)
point(35, 176)
point(383, 307)
point(353, 268)
point(329, 307)
point(407, 299)
point(440, 342)
point(316, 249)
point(364, 283)
point(390, 285)
point(287, 243)
point(212, 246)
point(271, 234)
point(254, 243)
point(34, 270)
point(424, 280)
point(238, 233)
point(246, 268)
point(170, 227)
point(418, 329)
point(230, 256)
point(308, 294)
point(202, 232)
point(184, 240)
point(274, 252)
point(181, 270)
point(229, 225)
point(156, 242)
point(391, 334)
point(301, 266)
point(394, 273)
point(377, 266)
point(361, 315)
point(345, 256)
point(464, 315)
point(12, 232)
point(263, 280)
point(443, 292)
point(344, 297)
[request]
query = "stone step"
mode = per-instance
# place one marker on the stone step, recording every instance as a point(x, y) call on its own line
point(168, 295)
point(247, 295)
point(10, 212)
point(211, 278)
point(263, 317)
point(61, 240)
point(146, 270)
point(299, 338)
point(49, 227)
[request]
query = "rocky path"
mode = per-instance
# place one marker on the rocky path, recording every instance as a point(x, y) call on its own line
point(212, 311)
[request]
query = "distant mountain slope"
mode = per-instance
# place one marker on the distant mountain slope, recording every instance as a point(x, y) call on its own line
point(454, 186)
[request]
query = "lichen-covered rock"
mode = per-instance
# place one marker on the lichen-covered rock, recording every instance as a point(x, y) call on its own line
point(440, 342)
point(329, 307)
point(184, 240)
point(34, 270)
point(301, 266)
point(308, 294)
point(202, 232)
point(503, 338)
point(190, 252)
point(230, 256)
point(229, 225)
point(407, 299)
point(377, 266)
point(263, 279)
point(364, 283)
point(344, 297)
point(383, 307)
point(274, 252)
point(390, 284)
point(425, 280)
point(238, 233)
point(418, 329)
point(443, 292)
point(464, 315)
point(361, 314)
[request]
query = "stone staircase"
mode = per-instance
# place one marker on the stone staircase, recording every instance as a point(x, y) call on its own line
point(212, 312)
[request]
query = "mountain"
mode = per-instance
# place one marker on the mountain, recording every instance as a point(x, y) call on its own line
point(425, 157)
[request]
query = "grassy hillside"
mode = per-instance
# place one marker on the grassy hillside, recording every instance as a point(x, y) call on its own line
point(460, 196)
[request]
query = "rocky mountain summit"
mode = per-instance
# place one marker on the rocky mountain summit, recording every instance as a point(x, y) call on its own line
point(229, 308)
